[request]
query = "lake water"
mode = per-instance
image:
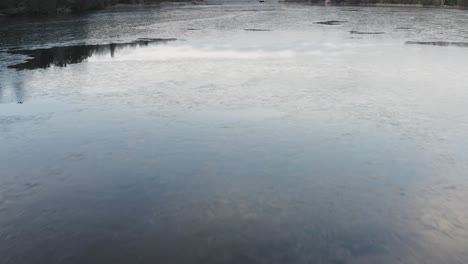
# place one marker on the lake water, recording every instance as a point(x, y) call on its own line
point(244, 133)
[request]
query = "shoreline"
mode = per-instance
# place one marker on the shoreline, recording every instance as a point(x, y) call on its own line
point(415, 6)
point(25, 12)
point(321, 3)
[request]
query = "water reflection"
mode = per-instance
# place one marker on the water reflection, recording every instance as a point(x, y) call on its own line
point(19, 91)
point(12, 89)
point(62, 56)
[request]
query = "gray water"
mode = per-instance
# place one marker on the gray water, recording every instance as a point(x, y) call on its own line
point(258, 136)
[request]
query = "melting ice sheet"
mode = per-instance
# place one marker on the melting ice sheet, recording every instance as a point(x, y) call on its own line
point(301, 144)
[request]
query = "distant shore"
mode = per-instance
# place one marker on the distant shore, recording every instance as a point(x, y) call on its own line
point(416, 5)
point(25, 9)
point(450, 4)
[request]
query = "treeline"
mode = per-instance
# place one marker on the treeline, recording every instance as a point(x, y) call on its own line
point(455, 3)
point(13, 7)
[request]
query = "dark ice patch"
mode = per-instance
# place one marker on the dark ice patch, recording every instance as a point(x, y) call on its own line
point(439, 43)
point(256, 29)
point(330, 22)
point(354, 32)
point(404, 28)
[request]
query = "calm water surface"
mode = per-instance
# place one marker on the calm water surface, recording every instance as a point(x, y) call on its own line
point(258, 136)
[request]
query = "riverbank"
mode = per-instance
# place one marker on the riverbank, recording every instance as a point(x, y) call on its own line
point(416, 6)
point(447, 4)
point(36, 7)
